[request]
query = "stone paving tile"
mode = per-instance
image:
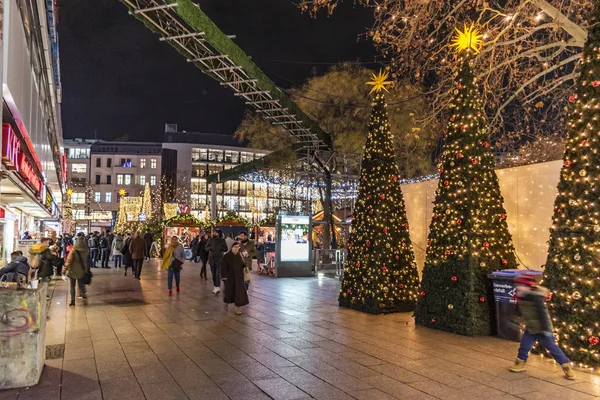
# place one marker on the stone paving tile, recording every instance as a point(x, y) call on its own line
point(163, 391)
point(120, 388)
point(280, 389)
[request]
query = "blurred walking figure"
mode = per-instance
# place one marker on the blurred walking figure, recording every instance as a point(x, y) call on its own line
point(232, 270)
point(137, 248)
point(173, 260)
point(148, 239)
point(203, 254)
point(76, 266)
point(127, 260)
point(117, 247)
point(531, 307)
point(216, 247)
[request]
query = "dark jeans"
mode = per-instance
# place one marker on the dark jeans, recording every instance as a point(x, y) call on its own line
point(93, 256)
point(215, 270)
point(81, 288)
point(172, 273)
point(104, 262)
point(203, 269)
point(549, 344)
point(118, 260)
point(137, 267)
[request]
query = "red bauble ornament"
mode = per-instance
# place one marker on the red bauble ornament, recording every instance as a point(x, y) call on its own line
point(594, 340)
point(397, 257)
point(463, 128)
point(485, 144)
point(584, 142)
point(423, 293)
point(441, 170)
point(349, 291)
point(445, 130)
point(405, 225)
point(474, 161)
point(475, 179)
point(572, 99)
point(567, 163)
point(401, 286)
point(459, 221)
point(446, 183)
point(433, 320)
point(369, 197)
point(482, 299)
point(595, 83)
point(435, 215)
point(504, 262)
point(502, 216)
point(454, 279)
point(384, 268)
point(452, 118)
point(371, 212)
point(358, 264)
point(403, 244)
point(390, 149)
point(559, 210)
point(382, 196)
point(486, 245)
point(349, 245)
point(459, 86)
point(385, 230)
point(373, 169)
point(368, 242)
point(447, 253)
point(459, 155)
point(395, 178)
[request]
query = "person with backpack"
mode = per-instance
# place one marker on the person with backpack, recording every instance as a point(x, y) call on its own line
point(117, 247)
point(41, 259)
point(531, 307)
point(173, 260)
point(76, 268)
point(104, 251)
point(93, 246)
point(18, 266)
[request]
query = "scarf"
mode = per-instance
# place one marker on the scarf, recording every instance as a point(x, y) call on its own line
point(166, 261)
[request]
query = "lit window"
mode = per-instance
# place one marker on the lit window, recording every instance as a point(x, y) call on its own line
point(79, 168)
point(78, 198)
point(128, 179)
point(97, 197)
point(153, 163)
point(108, 197)
point(143, 163)
point(142, 179)
point(78, 214)
point(153, 180)
point(119, 179)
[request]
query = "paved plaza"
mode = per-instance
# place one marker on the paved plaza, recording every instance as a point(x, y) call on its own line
point(131, 341)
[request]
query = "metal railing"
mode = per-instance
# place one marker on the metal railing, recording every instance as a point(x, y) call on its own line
point(330, 261)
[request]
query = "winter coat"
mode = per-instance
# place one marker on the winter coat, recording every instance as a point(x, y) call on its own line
point(216, 247)
point(127, 259)
point(113, 250)
point(148, 239)
point(531, 306)
point(194, 245)
point(137, 248)
point(250, 247)
point(17, 266)
point(230, 241)
point(111, 238)
point(46, 269)
point(232, 272)
point(77, 264)
point(202, 252)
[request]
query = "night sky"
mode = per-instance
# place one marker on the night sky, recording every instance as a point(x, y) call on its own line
point(119, 79)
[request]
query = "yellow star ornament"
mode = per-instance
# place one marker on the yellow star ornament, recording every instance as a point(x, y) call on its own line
point(469, 38)
point(122, 192)
point(379, 81)
point(69, 191)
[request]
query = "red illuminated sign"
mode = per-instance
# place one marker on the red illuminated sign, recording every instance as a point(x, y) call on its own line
point(28, 174)
point(10, 147)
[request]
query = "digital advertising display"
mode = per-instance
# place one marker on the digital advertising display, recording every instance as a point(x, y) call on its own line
point(294, 238)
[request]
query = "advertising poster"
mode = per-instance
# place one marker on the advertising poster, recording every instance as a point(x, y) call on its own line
point(294, 238)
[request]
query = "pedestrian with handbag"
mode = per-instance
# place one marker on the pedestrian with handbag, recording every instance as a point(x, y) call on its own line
point(77, 267)
point(173, 262)
point(234, 273)
point(248, 252)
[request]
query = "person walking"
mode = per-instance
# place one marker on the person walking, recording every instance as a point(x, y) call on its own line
point(232, 270)
point(104, 250)
point(531, 307)
point(148, 240)
point(173, 260)
point(248, 251)
point(216, 247)
point(229, 240)
point(93, 245)
point(194, 248)
point(137, 248)
point(127, 260)
point(76, 267)
point(203, 255)
point(115, 251)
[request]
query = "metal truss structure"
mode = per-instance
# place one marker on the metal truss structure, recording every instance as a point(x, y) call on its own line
point(183, 25)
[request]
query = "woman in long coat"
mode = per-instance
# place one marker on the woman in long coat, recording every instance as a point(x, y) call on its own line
point(232, 274)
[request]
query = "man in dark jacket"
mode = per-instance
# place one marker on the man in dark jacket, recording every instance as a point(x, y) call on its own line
point(137, 248)
point(47, 268)
point(93, 245)
point(18, 265)
point(105, 250)
point(216, 247)
point(148, 239)
point(531, 307)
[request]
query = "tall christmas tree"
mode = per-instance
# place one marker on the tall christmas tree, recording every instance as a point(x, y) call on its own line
point(468, 235)
point(381, 273)
point(572, 270)
point(147, 202)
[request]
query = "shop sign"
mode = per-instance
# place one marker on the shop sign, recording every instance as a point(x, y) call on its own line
point(28, 174)
point(48, 198)
point(142, 217)
point(183, 208)
point(25, 244)
point(10, 148)
point(101, 215)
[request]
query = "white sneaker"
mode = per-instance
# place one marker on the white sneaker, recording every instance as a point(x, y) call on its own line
point(214, 290)
point(217, 290)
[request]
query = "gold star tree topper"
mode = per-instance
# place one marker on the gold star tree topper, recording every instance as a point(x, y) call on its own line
point(379, 81)
point(122, 192)
point(469, 38)
point(69, 191)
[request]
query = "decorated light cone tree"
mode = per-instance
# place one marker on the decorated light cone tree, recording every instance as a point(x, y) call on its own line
point(468, 235)
point(381, 274)
point(572, 270)
point(147, 202)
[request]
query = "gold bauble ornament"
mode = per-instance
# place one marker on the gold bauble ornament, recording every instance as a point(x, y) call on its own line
point(448, 211)
point(576, 295)
point(450, 307)
point(385, 289)
point(596, 228)
point(577, 257)
point(583, 172)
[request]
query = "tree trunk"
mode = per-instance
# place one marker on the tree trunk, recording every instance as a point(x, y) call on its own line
point(326, 231)
point(328, 210)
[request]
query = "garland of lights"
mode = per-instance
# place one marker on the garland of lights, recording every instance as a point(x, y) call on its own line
point(268, 221)
point(183, 218)
point(230, 216)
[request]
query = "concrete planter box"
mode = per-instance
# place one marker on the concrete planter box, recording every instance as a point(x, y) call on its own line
point(22, 336)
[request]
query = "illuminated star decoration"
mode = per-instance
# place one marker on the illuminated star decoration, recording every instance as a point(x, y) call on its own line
point(469, 38)
point(379, 82)
point(69, 191)
point(122, 192)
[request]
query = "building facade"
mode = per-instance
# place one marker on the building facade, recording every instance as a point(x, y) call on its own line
point(33, 172)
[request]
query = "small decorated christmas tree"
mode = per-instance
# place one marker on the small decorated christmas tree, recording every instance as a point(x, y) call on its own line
point(381, 274)
point(468, 235)
point(572, 270)
point(147, 203)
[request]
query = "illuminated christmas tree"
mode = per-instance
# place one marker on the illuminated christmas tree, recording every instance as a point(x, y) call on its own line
point(572, 271)
point(381, 273)
point(468, 235)
point(147, 202)
point(122, 213)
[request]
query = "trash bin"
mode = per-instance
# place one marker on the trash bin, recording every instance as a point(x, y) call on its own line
point(503, 283)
